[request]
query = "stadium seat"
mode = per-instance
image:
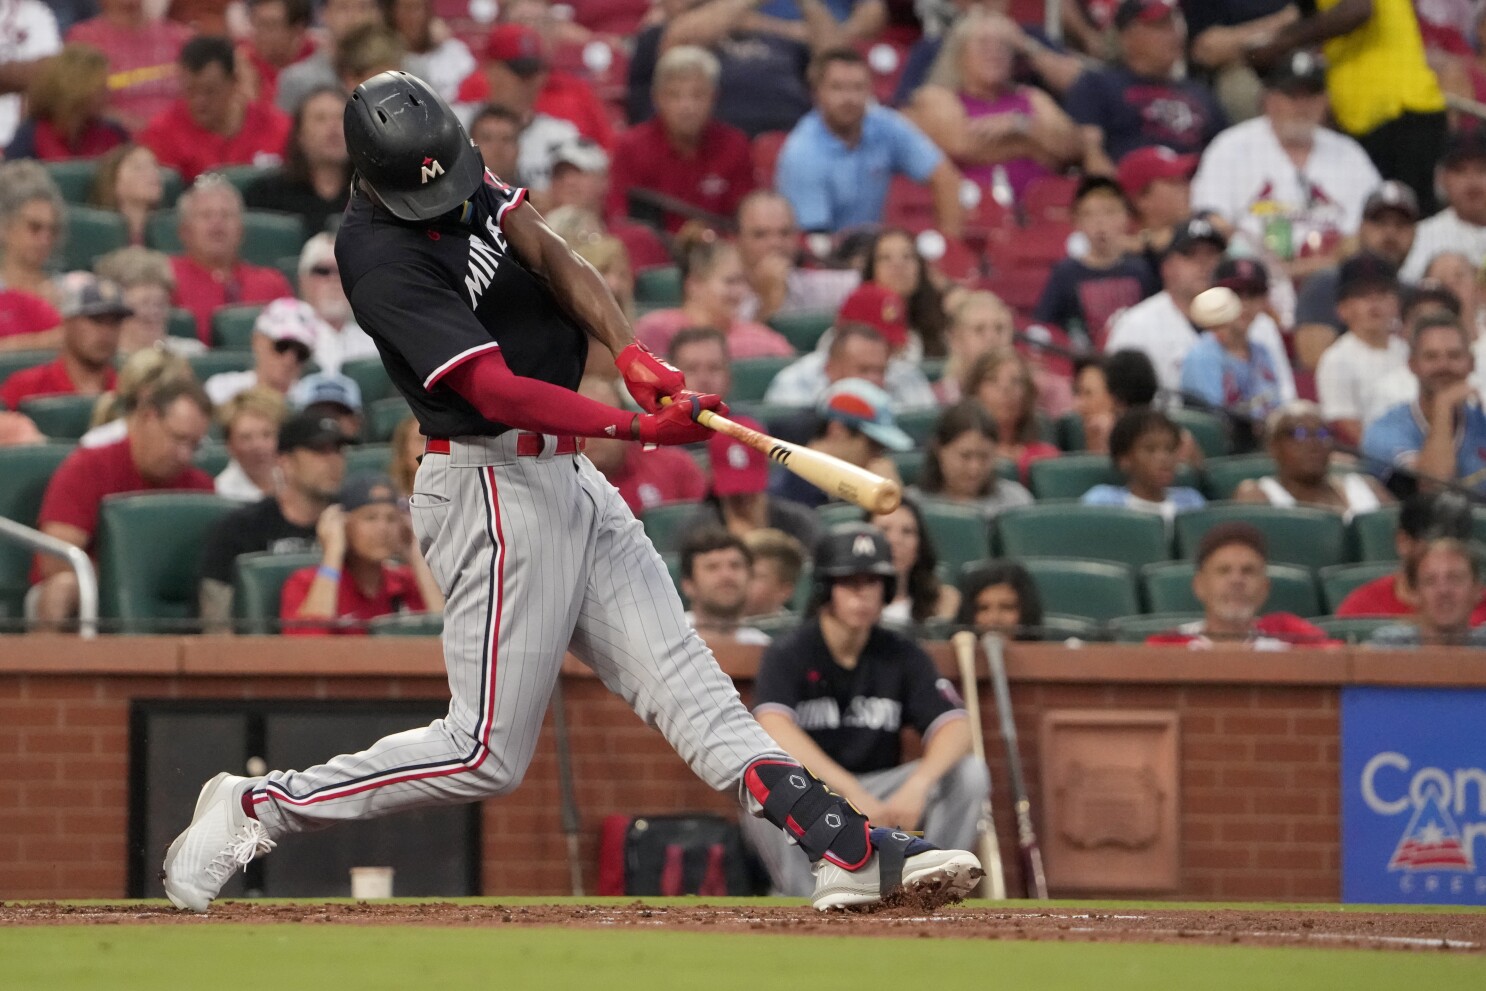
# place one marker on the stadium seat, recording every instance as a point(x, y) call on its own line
point(1135, 629)
point(382, 418)
point(1069, 431)
point(149, 555)
point(209, 363)
point(1093, 590)
point(909, 205)
point(751, 377)
point(408, 624)
point(960, 262)
point(1049, 199)
point(1207, 429)
point(1070, 476)
point(961, 534)
point(1007, 469)
point(663, 524)
point(910, 465)
point(267, 236)
point(174, 185)
point(803, 330)
point(181, 323)
point(933, 368)
point(15, 361)
point(1125, 536)
point(60, 417)
point(212, 458)
point(777, 417)
point(765, 150)
point(1372, 534)
point(243, 176)
point(1353, 629)
point(1056, 626)
point(368, 458)
point(232, 326)
point(259, 578)
point(1338, 580)
point(803, 588)
point(1168, 588)
point(660, 286)
point(673, 567)
point(91, 233)
point(74, 177)
point(919, 423)
point(1018, 288)
point(774, 626)
point(1221, 476)
point(26, 469)
point(833, 513)
point(371, 376)
point(1306, 536)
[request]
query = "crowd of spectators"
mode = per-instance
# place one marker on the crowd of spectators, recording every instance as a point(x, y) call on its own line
point(947, 242)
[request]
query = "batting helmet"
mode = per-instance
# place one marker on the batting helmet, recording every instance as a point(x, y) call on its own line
point(850, 549)
point(409, 148)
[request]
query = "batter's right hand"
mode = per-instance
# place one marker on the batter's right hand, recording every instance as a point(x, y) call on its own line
point(648, 378)
point(676, 423)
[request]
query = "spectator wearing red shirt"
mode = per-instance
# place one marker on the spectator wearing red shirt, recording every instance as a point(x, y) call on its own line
point(164, 432)
point(356, 579)
point(1232, 584)
point(28, 322)
point(1421, 518)
point(643, 478)
point(278, 37)
point(214, 123)
point(210, 273)
point(682, 152)
point(63, 108)
point(141, 54)
point(93, 312)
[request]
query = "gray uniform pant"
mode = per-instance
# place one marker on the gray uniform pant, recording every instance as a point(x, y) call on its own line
point(536, 556)
point(951, 816)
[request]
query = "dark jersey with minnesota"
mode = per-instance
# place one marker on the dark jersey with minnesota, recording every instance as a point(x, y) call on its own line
point(437, 293)
point(856, 716)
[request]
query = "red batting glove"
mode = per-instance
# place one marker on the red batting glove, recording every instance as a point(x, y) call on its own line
point(676, 423)
point(647, 377)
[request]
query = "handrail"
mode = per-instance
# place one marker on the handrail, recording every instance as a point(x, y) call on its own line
point(77, 559)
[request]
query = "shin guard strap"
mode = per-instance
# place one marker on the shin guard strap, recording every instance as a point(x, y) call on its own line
point(823, 823)
point(892, 853)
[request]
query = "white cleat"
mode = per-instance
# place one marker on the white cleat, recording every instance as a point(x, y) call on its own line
point(221, 839)
point(941, 876)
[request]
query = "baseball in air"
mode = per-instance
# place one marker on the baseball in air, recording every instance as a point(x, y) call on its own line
point(1216, 306)
point(257, 767)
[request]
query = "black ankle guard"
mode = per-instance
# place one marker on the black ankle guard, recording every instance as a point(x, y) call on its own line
point(822, 822)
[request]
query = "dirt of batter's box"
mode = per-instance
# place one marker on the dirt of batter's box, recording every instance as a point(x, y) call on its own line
point(906, 918)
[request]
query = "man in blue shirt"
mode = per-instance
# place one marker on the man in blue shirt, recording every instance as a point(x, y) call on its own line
point(837, 163)
point(1442, 434)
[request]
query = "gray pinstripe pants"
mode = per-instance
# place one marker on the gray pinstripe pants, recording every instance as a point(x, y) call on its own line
point(537, 556)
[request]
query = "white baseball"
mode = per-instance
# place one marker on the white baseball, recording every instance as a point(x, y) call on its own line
point(257, 767)
point(1216, 306)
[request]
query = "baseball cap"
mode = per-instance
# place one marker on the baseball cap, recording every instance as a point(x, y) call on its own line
point(881, 309)
point(582, 154)
point(863, 406)
point(325, 387)
point(367, 489)
point(288, 319)
point(737, 469)
point(519, 46)
point(1143, 166)
point(86, 295)
point(1392, 195)
point(1244, 276)
point(1196, 231)
point(1299, 72)
point(1146, 11)
point(1363, 272)
point(1464, 146)
point(307, 430)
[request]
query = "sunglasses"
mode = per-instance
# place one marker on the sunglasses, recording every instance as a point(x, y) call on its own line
point(1319, 434)
point(324, 271)
point(301, 353)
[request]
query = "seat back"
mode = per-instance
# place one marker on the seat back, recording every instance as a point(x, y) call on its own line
point(1093, 590)
point(15, 361)
point(751, 377)
point(1168, 588)
point(960, 534)
point(364, 458)
point(1111, 533)
point(371, 376)
point(1353, 629)
point(1372, 534)
point(267, 236)
point(232, 326)
point(91, 233)
point(1070, 476)
point(1221, 476)
point(257, 582)
point(663, 524)
point(803, 329)
point(209, 363)
point(212, 458)
point(74, 178)
point(27, 470)
point(382, 418)
point(1136, 629)
point(1338, 580)
point(149, 555)
point(60, 417)
point(408, 624)
point(658, 287)
point(1209, 430)
point(1300, 535)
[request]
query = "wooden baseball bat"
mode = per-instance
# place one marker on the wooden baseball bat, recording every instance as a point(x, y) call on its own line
point(831, 475)
point(1026, 834)
point(988, 847)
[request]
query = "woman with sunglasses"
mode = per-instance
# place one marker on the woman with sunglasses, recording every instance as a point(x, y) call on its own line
point(1301, 445)
point(283, 337)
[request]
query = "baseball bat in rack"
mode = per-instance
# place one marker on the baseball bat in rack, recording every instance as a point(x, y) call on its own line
point(988, 847)
point(1026, 833)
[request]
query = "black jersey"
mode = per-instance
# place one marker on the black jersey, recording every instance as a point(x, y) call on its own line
point(436, 293)
point(855, 715)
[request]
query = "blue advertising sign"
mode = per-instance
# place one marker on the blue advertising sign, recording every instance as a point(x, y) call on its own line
point(1414, 796)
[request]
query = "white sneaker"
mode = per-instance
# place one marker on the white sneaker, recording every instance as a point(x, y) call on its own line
point(942, 875)
point(221, 839)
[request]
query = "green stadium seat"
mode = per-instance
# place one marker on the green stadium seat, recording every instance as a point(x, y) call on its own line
point(933, 368)
point(960, 534)
point(1168, 588)
point(1221, 476)
point(1353, 629)
point(1372, 534)
point(258, 579)
point(658, 287)
point(267, 236)
point(368, 459)
point(382, 418)
point(91, 233)
point(209, 363)
point(26, 469)
point(910, 465)
point(174, 185)
point(408, 624)
point(804, 587)
point(1302, 535)
point(1056, 626)
point(1092, 590)
point(663, 524)
point(15, 361)
point(212, 458)
point(74, 177)
point(1070, 476)
point(919, 423)
point(243, 176)
point(774, 626)
point(1338, 580)
point(1070, 432)
point(181, 323)
point(1126, 536)
point(672, 561)
point(232, 326)
point(1135, 629)
point(803, 330)
point(751, 377)
point(149, 556)
point(1207, 429)
point(768, 413)
point(1006, 469)
point(371, 376)
point(832, 513)
point(60, 417)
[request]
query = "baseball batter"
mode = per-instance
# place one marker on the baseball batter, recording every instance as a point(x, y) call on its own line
point(482, 317)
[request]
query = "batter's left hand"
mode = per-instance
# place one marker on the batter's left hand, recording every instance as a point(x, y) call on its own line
point(676, 422)
point(648, 378)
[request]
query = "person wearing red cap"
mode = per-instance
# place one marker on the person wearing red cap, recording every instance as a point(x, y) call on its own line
point(871, 329)
point(1158, 185)
point(339, 18)
point(740, 500)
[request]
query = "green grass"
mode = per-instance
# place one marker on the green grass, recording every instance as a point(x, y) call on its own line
point(217, 958)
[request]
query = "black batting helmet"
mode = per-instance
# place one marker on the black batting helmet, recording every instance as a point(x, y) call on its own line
point(850, 549)
point(409, 148)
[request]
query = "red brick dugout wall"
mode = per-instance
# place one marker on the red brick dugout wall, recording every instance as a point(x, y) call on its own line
point(1258, 749)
